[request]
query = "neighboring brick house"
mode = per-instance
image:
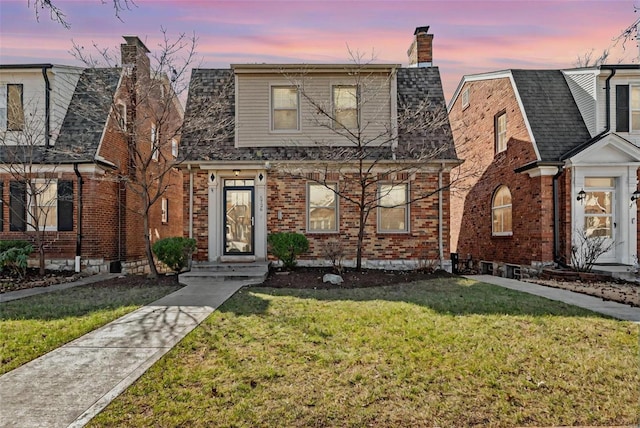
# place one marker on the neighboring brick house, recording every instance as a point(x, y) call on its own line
point(65, 158)
point(275, 169)
point(555, 155)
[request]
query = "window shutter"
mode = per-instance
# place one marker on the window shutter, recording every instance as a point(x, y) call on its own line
point(65, 205)
point(2, 206)
point(622, 108)
point(17, 206)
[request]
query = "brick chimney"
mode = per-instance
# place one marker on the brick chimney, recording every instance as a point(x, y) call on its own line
point(421, 50)
point(134, 55)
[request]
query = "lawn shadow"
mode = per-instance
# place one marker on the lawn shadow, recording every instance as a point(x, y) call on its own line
point(450, 296)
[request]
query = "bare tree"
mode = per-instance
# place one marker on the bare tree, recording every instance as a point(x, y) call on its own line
point(147, 111)
point(57, 15)
point(371, 156)
point(34, 193)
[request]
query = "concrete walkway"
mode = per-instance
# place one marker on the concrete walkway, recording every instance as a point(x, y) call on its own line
point(70, 385)
point(595, 304)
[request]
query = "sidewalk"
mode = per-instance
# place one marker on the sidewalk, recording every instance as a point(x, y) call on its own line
point(595, 304)
point(19, 294)
point(70, 385)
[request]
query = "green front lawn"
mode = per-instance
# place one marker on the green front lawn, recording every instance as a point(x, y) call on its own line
point(447, 352)
point(33, 326)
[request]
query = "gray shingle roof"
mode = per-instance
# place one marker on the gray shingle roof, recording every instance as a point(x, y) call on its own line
point(82, 126)
point(86, 116)
point(555, 120)
point(414, 86)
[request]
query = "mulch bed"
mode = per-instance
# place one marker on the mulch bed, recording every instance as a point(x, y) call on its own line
point(34, 280)
point(311, 278)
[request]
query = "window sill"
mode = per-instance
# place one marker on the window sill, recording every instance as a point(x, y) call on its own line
point(502, 235)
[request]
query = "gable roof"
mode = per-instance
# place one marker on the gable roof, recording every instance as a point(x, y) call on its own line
point(551, 111)
point(87, 116)
point(83, 124)
point(414, 85)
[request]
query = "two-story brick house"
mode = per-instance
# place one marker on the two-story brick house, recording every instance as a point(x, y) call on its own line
point(555, 155)
point(65, 157)
point(301, 136)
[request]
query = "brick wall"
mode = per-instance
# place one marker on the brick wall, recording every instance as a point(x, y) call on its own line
point(484, 171)
point(288, 196)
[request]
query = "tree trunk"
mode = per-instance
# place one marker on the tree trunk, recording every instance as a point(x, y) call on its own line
point(41, 256)
point(153, 272)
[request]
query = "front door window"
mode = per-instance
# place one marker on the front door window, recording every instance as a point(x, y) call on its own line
point(598, 210)
point(239, 217)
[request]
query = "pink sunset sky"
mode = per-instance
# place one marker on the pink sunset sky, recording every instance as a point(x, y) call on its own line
point(469, 36)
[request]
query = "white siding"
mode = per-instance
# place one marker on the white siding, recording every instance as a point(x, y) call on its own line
point(622, 77)
point(63, 84)
point(62, 81)
point(583, 89)
point(253, 109)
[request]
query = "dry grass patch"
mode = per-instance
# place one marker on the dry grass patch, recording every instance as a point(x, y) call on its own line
point(447, 352)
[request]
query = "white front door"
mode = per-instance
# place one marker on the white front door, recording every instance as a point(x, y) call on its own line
point(600, 220)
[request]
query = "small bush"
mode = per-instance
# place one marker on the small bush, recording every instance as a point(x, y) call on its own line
point(5, 245)
point(286, 246)
point(15, 259)
point(586, 249)
point(175, 252)
point(334, 252)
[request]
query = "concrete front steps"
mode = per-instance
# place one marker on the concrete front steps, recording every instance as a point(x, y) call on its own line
point(252, 272)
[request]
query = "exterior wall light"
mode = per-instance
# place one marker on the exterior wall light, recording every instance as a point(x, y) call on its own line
point(635, 196)
point(581, 195)
point(236, 172)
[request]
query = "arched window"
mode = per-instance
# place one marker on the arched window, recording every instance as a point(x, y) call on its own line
point(501, 212)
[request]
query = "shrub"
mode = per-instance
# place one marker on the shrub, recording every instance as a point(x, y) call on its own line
point(5, 245)
point(286, 246)
point(334, 252)
point(586, 249)
point(175, 252)
point(14, 259)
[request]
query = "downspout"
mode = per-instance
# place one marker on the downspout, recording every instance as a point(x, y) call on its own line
point(47, 106)
point(190, 201)
point(440, 216)
point(556, 220)
point(79, 225)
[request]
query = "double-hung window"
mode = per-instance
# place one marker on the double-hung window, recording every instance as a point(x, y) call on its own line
point(165, 210)
point(11, 107)
point(322, 208)
point(174, 147)
point(393, 208)
point(45, 204)
point(628, 108)
point(345, 106)
point(500, 125)
point(154, 142)
point(285, 115)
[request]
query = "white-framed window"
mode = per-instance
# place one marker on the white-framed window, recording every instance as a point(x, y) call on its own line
point(165, 210)
point(345, 106)
point(501, 212)
point(322, 208)
point(393, 209)
point(13, 107)
point(285, 114)
point(154, 142)
point(634, 107)
point(500, 125)
point(174, 147)
point(121, 115)
point(43, 204)
point(465, 98)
